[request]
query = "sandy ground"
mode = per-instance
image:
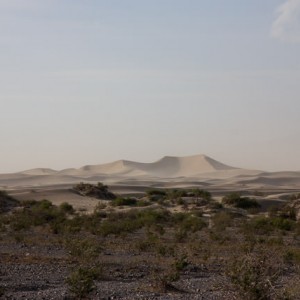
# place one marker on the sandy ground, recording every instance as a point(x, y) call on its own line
point(134, 178)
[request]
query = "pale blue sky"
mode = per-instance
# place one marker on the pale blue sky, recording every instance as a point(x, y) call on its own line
point(87, 82)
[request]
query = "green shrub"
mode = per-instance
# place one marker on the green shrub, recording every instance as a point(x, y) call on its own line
point(174, 194)
point(265, 225)
point(181, 262)
point(66, 208)
point(38, 213)
point(124, 201)
point(292, 255)
point(215, 205)
point(236, 200)
point(201, 194)
point(81, 282)
point(143, 203)
point(188, 222)
point(83, 249)
point(255, 273)
point(222, 220)
point(281, 223)
point(156, 195)
point(258, 225)
point(99, 191)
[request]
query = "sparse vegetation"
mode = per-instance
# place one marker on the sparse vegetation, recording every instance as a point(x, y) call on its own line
point(235, 199)
point(164, 245)
point(255, 273)
point(81, 282)
point(99, 191)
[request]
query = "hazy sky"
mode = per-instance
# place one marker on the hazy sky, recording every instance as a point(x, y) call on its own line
point(87, 82)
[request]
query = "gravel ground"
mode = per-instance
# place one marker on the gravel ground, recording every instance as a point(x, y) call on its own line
point(40, 273)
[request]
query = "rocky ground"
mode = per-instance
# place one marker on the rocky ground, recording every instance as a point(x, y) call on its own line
point(40, 272)
point(188, 248)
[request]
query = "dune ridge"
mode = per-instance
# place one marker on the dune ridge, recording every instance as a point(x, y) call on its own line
point(168, 166)
point(171, 170)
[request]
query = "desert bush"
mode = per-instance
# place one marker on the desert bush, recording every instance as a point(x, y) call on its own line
point(118, 223)
point(163, 277)
point(180, 262)
point(292, 255)
point(282, 223)
point(188, 222)
point(143, 203)
point(83, 249)
point(257, 225)
point(145, 245)
point(255, 273)
point(119, 201)
point(222, 220)
point(81, 281)
point(99, 190)
point(38, 213)
point(236, 200)
point(75, 224)
point(100, 206)
point(283, 211)
point(174, 194)
point(156, 194)
point(215, 205)
point(66, 208)
point(201, 194)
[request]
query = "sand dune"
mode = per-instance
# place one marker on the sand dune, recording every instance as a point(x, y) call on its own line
point(39, 172)
point(168, 166)
point(168, 171)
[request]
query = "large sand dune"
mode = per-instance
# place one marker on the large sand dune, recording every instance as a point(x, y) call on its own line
point(168, 171)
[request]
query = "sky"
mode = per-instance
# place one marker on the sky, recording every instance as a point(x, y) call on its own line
point(89, 82)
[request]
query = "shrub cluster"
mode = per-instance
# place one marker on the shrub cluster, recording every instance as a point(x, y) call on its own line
point(38, 213)
point(236, 200)
point(99, 191)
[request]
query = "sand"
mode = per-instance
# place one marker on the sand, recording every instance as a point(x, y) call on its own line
point(129, 177)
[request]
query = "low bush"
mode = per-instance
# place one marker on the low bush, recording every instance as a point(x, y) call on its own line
point(236, 200)
point(83, 249)
point(222, 220)
point(156, 194)
point(292, 255)
point(99, 190)
point(265, 225)
point(255, 273)
point(81, 282)
point(38, 213)
point(124, 201)
point(66, 208)
point(202, 194)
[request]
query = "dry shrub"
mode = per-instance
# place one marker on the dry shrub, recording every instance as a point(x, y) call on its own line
point(255, 273)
